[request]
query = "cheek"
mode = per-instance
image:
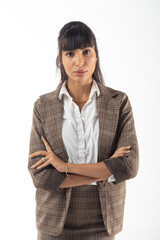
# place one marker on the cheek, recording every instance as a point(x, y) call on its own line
point(67, 65)
point(92, 64)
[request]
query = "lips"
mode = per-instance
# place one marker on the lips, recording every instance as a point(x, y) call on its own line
point(80, 71)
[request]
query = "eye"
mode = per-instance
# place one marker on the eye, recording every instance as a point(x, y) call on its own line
point(87, 52)
point(69, 54)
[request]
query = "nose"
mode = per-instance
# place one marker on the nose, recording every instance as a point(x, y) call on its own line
point(79, 60)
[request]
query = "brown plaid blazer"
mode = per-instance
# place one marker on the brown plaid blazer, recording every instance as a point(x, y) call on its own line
point(116, 129)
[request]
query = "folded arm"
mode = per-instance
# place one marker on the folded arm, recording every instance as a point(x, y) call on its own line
point(81, 174)
point(95, 170)
point(122, 168)
point(78, 180)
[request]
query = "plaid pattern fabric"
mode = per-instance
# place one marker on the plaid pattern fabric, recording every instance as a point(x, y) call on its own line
point(84, 218)
point(116, 128)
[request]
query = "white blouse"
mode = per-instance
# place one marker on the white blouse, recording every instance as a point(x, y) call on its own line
point(80, 130)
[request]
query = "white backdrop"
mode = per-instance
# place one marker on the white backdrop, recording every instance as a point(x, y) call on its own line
point(128, 37)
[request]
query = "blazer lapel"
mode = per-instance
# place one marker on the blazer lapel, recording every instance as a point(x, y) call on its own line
point(53, 123)
point(108, 113)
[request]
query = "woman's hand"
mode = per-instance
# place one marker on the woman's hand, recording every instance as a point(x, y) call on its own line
point(50, 158)
point(120, 152)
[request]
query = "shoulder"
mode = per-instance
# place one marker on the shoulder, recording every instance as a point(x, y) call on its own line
point(112, 92)
point(119, 98)
point(47, 97)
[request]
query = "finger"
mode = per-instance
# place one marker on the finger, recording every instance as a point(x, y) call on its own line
point(47, 157)
point(124, 147)
point(120, 154)
point(35, 154)
point(37, 163)
point(49, 149)
point(127, 147)
point(43, 165)
point(124, 151)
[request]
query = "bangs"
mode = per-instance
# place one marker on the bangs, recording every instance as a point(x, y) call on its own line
point(76, 38)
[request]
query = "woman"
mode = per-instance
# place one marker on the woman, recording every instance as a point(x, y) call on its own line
point(83, 146)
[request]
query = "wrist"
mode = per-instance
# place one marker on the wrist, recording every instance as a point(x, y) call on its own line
point(67, 169)
point(69, 166)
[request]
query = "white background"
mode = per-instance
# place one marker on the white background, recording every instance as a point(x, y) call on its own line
point(128, 38)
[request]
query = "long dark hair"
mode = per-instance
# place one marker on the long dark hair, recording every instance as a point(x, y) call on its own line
point(75, 35)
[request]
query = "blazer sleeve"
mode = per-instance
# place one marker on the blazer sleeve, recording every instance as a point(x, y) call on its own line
point(49, 177)
point(125, 167)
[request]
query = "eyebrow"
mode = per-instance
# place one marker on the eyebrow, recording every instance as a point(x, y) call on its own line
point(74, 49)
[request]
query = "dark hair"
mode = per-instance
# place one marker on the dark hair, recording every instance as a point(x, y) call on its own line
point(75, 35)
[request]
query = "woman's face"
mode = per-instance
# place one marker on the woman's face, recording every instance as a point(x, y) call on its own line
point(79, 60)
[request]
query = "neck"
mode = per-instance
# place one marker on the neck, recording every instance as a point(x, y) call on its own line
point(79, 91)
